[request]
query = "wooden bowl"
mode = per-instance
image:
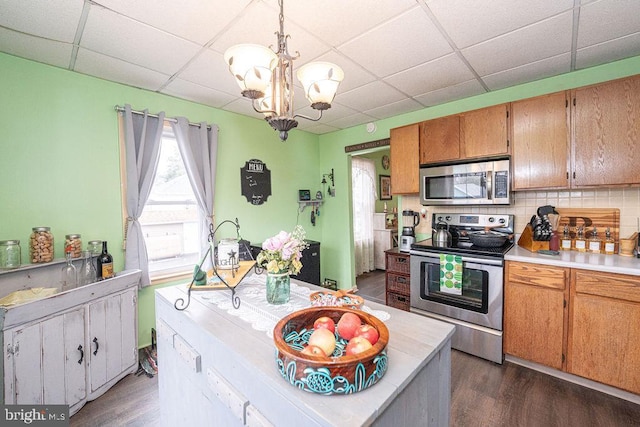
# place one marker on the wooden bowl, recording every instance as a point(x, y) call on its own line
point(340, 298)
point(339, 374)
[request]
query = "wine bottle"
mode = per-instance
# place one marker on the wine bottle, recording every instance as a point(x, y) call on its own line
point(105, 264)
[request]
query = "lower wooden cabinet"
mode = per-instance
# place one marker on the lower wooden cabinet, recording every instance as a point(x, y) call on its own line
point(398, 285)
point(535, 314)
point(604, 328)
point(582, 322)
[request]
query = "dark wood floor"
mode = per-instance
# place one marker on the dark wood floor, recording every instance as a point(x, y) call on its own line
point(483, 394)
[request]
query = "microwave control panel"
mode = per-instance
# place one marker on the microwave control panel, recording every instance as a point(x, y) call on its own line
point(501, 184)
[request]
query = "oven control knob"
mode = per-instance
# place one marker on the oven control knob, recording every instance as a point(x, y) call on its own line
point(501, 221)
point(448, 218)
point(491, 219)
point(440, 218)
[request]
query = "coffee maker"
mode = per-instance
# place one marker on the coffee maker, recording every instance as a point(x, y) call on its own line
point(409, 221)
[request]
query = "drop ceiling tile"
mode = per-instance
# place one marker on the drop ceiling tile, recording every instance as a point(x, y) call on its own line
point(258, 25)
point(243, 106)
point(195, 20)
point(516, 48)
point(105, 67)
point(35, 48)
point(401, 43)
point(395, 108)
point(613, 50)
point(56, 20)
point(337, 21)
point(115, 35)
point(442, 72)
point(471, 22)
point(352, 120)
point(529, 72)
point(193, 92)
point(452, 93)
point(314, 127)
point(354, 75)
point(371, 95)
point(336, 112)
point(606, 20)
point(209, 69)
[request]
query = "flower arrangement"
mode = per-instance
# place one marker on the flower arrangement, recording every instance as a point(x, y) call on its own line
point(281, 253)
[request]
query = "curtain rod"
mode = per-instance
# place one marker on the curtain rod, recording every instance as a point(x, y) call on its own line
point(171, 119)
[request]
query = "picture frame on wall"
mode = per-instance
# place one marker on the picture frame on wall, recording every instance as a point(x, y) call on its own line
point(385, 187)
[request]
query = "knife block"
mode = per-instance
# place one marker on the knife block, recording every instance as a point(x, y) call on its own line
point(526, 241)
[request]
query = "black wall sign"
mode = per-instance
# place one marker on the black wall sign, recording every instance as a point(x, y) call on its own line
point(255, 182)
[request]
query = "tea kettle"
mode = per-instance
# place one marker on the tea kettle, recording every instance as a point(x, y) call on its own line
point(441, 237)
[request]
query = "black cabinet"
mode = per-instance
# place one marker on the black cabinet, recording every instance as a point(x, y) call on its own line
point(310, 272)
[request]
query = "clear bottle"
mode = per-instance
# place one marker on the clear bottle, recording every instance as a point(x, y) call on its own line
point(10, 256)
point(88, 270)
point(580, 242)
point(69, 277)
point(609, 243)
point(595, 244)
point(566, 241)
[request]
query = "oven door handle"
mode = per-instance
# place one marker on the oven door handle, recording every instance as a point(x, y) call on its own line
point(464, 258)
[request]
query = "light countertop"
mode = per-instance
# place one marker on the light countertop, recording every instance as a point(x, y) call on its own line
point(583, 260)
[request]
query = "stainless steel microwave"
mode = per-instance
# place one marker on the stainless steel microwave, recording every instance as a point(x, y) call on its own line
point(471, 183)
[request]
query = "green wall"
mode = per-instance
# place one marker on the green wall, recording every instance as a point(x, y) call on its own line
point(59, 160)
point(337, 246)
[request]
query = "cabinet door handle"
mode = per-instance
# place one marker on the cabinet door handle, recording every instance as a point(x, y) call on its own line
point(95, 340)
point(81, 354)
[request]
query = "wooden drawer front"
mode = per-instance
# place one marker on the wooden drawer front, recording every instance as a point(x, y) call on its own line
point(537, 275)
point(398, 263)
point(398, 301)
point(618, 286)
point(398, 284)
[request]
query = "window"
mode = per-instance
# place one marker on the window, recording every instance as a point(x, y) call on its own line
point(170, 219)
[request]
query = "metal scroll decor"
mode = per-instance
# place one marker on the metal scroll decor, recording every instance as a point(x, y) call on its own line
point(255, 181)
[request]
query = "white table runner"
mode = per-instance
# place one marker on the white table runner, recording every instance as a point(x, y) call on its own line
point(254, 308)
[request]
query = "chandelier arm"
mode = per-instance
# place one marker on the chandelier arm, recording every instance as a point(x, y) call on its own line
point(253, 104)
point(309, 118)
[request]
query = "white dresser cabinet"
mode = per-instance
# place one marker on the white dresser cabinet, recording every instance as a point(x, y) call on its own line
point(71, 347)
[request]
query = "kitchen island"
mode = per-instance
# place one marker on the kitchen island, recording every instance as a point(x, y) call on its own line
point(218, 367)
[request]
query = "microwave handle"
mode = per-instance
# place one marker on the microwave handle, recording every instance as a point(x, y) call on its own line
point(489, 185)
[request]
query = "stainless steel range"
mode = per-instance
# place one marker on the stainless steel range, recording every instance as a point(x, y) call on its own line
point(472, 299)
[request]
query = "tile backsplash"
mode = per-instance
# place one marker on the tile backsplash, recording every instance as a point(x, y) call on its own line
point(525, 203)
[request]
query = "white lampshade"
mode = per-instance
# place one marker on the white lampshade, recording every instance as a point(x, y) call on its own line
point(251, 65)
point(320, 81)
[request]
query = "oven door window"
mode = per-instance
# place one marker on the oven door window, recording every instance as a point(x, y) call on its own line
point(475, 288)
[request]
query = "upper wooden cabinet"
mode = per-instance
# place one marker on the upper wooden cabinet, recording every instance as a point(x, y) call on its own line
point(440, 139)
point(478, 133)
point(540, 142)
point(606, 148)
point(483, 132)
point(404, 159)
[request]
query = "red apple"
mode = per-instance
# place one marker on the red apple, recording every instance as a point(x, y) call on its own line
point(357, 345)
point(313, 350)
point(324, 339)
point(369, 332)
point(348, 324)
point(326, 323)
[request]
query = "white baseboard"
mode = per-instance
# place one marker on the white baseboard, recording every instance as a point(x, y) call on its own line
point(625, 395)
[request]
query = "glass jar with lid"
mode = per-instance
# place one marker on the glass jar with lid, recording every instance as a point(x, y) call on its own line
point(95, 247)
point(41, 245)
point(75, 242)
point(10, 256)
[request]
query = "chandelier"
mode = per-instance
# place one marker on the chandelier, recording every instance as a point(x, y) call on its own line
point(266, 77)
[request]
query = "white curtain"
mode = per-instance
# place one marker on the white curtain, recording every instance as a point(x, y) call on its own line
point(363, 187)
point(198, 147)
point(142, 134)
